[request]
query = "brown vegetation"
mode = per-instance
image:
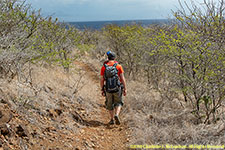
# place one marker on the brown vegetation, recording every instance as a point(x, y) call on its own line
point(60, 111)
point(175, 73)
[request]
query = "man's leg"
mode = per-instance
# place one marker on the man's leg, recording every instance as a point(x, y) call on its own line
point(118, 104)
point(111, 112)
point(117, 110)
point(109, 106)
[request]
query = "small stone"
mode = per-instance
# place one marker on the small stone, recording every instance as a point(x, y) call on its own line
point(86, 143)
point(82, 131)
point(52, 113)
point(20, 131)
point(4, 130)
point(5, 116)
point(58, 111)
point(93, 145)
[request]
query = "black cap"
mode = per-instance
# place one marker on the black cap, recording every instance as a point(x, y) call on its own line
point(111, 56)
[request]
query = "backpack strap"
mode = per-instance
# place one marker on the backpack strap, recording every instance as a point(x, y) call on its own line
point(105, 62)
point(105, 65)
point(114, 65)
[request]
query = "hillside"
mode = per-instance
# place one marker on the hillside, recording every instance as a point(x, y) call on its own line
point(66, 111)
point(59, 111)
point(49, 81)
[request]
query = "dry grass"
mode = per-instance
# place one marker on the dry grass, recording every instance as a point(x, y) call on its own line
point(61, 103)
point(150, 118)
point(46, 88)
point(154, 120)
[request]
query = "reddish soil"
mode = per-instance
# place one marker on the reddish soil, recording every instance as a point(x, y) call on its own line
point(112, 137)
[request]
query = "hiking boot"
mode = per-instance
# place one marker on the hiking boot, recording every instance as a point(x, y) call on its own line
point(111, 122)
point(117, 120)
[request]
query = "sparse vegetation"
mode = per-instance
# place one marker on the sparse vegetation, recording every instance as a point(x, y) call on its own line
point(176, 71)
point(27, 37)
point(184, 63)
point(182, 58)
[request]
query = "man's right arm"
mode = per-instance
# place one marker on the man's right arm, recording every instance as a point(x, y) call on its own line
point(102, 82)
point(124, 84)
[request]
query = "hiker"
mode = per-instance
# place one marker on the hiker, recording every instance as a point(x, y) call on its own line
point(113, 85)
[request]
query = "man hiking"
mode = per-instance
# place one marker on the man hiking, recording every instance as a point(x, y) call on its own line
point(113, 84)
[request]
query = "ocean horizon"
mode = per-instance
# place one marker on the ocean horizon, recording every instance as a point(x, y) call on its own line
point(97, 25)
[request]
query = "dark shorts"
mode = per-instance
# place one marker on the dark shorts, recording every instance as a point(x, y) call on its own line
point(113, 100)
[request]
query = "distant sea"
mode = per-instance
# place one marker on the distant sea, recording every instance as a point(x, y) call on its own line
point(97, 25)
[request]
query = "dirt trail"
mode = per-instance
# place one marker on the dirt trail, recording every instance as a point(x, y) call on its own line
point(107, 137)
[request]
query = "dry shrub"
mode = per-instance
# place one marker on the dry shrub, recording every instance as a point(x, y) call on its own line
point(43, 87)
point(154, 120)
point(48, 98)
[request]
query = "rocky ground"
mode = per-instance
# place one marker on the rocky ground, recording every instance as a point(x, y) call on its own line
point(54, 110)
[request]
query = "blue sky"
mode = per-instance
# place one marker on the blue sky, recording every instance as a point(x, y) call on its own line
point(99, 10)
